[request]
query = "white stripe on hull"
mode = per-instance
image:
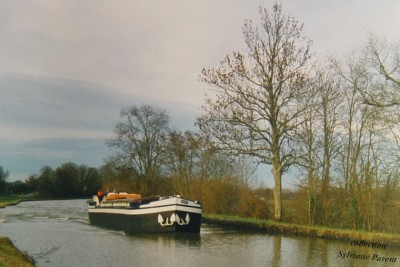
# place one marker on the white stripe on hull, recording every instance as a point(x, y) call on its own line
point(142, 211)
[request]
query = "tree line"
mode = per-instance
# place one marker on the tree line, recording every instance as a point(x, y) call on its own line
point(66, 181)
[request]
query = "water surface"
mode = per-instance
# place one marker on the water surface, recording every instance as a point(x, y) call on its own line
point(58, 233)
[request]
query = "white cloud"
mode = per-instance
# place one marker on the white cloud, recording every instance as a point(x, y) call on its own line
point(47, 107)
point(151, 48)
point(337, 26)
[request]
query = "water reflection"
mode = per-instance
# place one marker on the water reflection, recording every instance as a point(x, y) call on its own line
point(57, 233)
point(169, 239)
point(277, 245)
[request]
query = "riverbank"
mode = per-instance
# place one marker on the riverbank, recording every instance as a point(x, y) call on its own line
point(8, 201)
point(10, 256)
point(273, 227)
point(12, 200)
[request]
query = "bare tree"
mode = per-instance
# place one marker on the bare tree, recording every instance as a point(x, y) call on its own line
point(140, 141)
point(307, 134)
point(183, 158)
point(383, 63)
point(317, 136)
point(354, 79)
point(255, 109)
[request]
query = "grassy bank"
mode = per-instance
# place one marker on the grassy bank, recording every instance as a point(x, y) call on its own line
point(12, 200)
point(8, 200)
point(273, 227)
point(11, 256)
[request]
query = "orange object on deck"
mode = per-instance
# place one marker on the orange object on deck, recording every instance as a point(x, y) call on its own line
point(123, 196)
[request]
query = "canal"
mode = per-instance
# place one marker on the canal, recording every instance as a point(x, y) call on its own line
point(58, 233)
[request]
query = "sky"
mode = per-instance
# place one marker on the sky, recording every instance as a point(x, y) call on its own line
point(68, 67)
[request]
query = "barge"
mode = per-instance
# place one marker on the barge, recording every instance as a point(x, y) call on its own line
point(133, 214)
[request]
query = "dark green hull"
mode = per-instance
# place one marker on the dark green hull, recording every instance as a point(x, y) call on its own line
point(135, 224)
point(166, 215)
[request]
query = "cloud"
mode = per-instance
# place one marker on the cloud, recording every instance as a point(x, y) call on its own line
point(337, 26)
point(53, 103)
point(24, 158)
point(50, 120)
point(148, 48)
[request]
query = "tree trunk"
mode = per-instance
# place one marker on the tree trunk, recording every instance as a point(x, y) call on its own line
point(277, 173)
